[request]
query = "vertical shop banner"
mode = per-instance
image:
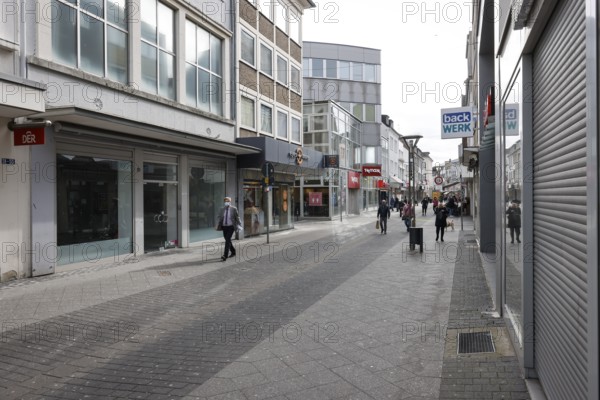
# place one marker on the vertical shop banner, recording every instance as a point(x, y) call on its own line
point(353, 180)
point(315, 199)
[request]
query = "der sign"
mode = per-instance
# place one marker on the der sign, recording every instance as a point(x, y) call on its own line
point(457, 123)
point(29, 136)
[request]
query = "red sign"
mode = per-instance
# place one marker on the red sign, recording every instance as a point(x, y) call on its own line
point(371, 170)
point(438, 180)
point(29, 136)
point(315, 199)
point(381, 184)
point(353, 180)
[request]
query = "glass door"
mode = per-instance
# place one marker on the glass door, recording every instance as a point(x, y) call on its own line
point(160, 206)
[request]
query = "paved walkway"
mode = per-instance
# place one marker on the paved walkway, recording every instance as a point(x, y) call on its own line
point(330, 310)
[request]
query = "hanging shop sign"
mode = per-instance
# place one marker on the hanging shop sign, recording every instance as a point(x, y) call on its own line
point(371, 170)
point(457, 123)
point(353, 180)
point(29, 136)
point(511, 120)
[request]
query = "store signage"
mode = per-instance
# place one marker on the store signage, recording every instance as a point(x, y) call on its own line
point(298, 156)
point(29, 136)
point(381, 184)
point(457, 123)
point(511, 120)
point(371, 170)
point(331, 161)
point(353, 180)
point(315, 199)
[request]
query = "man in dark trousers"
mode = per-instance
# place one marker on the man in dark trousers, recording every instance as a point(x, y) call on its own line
point(383, 213)
point(440, 221)
point(229, 220)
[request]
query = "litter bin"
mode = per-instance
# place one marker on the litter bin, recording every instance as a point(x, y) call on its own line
point(415, 236)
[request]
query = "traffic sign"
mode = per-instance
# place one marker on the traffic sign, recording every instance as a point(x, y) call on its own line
point(438, 180)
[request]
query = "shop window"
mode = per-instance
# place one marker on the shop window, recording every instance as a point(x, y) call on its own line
point(94, 208)
point(207, 189)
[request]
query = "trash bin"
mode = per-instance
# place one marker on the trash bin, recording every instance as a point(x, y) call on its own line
point(415, 236)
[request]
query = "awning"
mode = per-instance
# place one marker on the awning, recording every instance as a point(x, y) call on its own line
point(400, 181)
point(90, 120)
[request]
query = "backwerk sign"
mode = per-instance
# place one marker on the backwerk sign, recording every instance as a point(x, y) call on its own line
point(457, 123)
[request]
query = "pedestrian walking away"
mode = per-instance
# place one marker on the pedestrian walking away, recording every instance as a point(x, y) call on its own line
point(424, 204)
point(229, 222)
point(407, 215)
point(440, 221)
point(383, 213)
point(514, 221)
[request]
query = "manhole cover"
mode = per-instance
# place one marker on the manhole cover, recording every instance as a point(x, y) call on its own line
point(164, 273)
point(475, 342)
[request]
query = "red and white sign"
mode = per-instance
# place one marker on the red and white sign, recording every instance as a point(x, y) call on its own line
point(381, 184)
point(29, 136)
point(438, 180)
point(371, 170)
point(353, 180)
point(315, 199)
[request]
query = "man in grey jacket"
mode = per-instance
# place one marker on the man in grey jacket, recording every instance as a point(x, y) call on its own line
point(229, 220)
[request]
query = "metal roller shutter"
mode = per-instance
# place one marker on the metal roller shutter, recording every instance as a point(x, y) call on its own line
point(559, 204)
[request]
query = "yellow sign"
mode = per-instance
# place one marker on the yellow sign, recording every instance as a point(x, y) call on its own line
point(436, 195)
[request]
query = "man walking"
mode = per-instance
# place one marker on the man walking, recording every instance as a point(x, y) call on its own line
point(383, 213)
point(229, 220)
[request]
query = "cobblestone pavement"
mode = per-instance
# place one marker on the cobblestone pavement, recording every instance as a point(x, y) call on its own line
point(329, 310)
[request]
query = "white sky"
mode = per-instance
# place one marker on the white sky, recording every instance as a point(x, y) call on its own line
point(423, 48)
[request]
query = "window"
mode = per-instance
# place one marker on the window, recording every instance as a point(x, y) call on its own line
point(370, 73)
point(281, 16)
point(282, 70)
point(331, 68)
point(265, 7)
point(248, 48)
point(248, 115)
point(344, 69)
point(266, 119)
point(357, 111)
point(357, 71)
point(306, 67)
point(296, 129)
point(370, 112)
point(91, 36)
point(317, 67)
point(203, 69)
point(295, 79)
point(294, 24)
point(266, 60)
point(158, 48)
point(282, 125)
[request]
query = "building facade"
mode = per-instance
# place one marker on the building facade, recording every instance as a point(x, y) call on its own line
point(351, 76)
point(269, 84)
point(537, 69)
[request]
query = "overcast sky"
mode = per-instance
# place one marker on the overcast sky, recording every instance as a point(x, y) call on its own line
point(423, 48)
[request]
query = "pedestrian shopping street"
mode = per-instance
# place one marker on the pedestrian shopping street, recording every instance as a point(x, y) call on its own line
point(328, 310)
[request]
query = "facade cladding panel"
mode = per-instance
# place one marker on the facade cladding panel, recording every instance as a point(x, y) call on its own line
point(249, 14)
point(559, 231)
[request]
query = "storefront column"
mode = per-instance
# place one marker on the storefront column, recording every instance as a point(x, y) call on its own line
point(184, 202)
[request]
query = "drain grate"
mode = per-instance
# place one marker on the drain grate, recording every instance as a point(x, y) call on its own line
point(475, 342)
point(164, 273)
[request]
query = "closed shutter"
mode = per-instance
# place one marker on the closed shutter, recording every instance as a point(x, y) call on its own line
point(559, 204)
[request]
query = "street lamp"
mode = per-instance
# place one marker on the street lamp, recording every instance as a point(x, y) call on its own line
point(413, 140)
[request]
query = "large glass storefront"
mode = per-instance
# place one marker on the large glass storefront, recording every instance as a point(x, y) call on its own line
point(513, 183)
point(278, 206)
point(94, 208)
point(207, 190)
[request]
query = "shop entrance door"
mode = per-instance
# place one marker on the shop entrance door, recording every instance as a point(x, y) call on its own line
point(160, 216)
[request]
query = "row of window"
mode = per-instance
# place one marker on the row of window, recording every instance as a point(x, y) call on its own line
point(286, 17)
point(287, 128)
point(277, 70)
point(93, 36)
point(336, 69)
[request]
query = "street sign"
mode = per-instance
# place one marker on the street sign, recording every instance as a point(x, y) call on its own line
point(438, 180)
